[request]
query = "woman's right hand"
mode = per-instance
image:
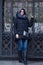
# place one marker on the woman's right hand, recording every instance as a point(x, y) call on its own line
point(17, 36)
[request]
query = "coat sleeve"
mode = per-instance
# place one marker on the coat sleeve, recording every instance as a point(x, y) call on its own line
point(28, 21)
point(32, 21)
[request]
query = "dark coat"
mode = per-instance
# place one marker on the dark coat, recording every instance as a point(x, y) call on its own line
point(32, 20)
point(21, 24)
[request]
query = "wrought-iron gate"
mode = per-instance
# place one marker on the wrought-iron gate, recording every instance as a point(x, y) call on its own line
point(8, 46)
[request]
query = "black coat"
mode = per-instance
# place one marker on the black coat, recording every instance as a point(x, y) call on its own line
point(32, 20)
point(21, 24)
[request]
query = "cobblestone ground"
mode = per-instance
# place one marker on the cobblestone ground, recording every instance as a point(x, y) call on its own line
point(17, 63)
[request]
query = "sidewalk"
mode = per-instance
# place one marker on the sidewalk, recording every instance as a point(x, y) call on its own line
point(17, 63)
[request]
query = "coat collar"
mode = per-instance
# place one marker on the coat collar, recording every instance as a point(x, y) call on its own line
point(20, 16)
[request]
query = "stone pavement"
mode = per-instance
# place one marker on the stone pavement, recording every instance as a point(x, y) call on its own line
point(17, 63)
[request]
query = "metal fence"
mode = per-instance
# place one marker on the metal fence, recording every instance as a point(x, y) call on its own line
point(8, 46)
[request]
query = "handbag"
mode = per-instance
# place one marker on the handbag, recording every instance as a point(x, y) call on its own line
point(25, 34)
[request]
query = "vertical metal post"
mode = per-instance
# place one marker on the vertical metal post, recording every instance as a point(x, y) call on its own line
point(33, 8)
point(33, 12)
point(11, 23)
point(1, 26)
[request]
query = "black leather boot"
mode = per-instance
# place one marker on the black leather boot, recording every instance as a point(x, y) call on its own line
point(25, 57)
point(20, 56)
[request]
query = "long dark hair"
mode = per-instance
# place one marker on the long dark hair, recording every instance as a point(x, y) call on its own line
point(23, 10)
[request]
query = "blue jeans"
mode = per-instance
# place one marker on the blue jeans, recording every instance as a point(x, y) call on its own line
point(22, 45)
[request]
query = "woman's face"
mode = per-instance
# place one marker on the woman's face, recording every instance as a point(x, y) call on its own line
point(22, 12)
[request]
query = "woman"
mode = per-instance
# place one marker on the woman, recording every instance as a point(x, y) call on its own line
point(22, 24)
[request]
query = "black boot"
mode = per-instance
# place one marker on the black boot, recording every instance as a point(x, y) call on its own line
point(20, 56)
point(25, 57)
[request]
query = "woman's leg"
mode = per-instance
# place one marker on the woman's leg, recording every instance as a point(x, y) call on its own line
point(25, 50)
point(25, 45)
point(20, 50)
